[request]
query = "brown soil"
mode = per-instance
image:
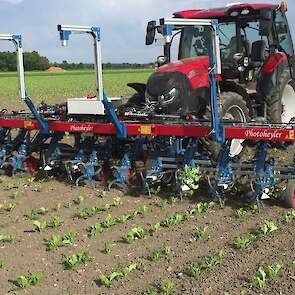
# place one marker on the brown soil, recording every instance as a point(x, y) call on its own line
point(28, 252)
point(55, 70)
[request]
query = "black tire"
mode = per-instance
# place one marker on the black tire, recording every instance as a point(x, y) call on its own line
point(289, 195)
point(275, 105)
point(234, 108)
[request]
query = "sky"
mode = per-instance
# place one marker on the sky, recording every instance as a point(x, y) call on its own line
point(123, 24)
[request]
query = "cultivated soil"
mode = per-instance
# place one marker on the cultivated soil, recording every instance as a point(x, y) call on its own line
point(28, 252)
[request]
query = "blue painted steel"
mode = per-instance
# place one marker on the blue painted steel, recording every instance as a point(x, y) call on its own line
point(123, 174)
point(43, 124)
point(225, 175)
point(121, 127)
point(218, 129)
point(96, 31)
point(168, 30)
point(17, 161)
point(65, 35)
point(2, 156)
point(89, 168)
point(264, 170)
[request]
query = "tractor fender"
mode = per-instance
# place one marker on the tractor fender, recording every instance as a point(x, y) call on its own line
point(229, 86)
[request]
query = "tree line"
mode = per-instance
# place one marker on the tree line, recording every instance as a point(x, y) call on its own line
point(33, 61)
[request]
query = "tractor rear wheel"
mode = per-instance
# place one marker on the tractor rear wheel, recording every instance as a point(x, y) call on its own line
point(234, 109)
point(280, 106)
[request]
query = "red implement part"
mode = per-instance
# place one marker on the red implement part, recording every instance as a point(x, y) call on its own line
point(254, 133)
point(31, 165)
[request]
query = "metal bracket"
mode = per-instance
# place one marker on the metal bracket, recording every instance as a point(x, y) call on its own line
point(18, 43)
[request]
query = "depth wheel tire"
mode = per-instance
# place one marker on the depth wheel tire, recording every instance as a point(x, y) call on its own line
point(234, 108)
point(289, 195)
point(280, 106)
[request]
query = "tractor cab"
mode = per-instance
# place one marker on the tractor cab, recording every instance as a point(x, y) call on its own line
point(257, 64)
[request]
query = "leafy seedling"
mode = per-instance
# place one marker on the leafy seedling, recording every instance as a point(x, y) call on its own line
point(273, 271)
point(43, 211)
point(93, 230)
point(72, 261)
point(117, 202)
point(246, 241)
point(56, 222)
point(40, 226)
point(260, 278)
point(108, 248)
point(168, 287)
point(53, 243)
point(241, 214)
point(109, 221)
point(267, 228)
point(154, 228)
point(199, 233)
point(69, 239)
point(80, 200)
point(32, 215)
point(7, 238)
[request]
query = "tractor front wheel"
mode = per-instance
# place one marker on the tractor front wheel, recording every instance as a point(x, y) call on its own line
point(280, 106)
point(289, 195)
point(234, 110)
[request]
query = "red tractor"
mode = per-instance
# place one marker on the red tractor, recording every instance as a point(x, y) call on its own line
point(257, 56)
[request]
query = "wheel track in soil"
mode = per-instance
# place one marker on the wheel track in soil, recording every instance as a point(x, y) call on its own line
point(194, 250)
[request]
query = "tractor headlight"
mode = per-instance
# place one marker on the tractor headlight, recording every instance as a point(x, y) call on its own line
point(169, 97)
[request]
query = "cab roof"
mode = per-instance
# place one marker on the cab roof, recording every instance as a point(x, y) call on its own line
point(223, 12)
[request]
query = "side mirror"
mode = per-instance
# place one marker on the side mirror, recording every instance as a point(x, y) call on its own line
point(266, 21)
point(150, 32)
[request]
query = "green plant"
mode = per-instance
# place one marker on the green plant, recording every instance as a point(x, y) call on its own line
point(102, 194)
point(273, 271)
point(197, 268)
point(9, 207)
point(117, 202)
point(15, 195)
point(79, 200)
point(166, 250)
point(40, 226)
point(2, 264)
point(290, 216)
point(203, 207)
point(123, 218)
point(37, 188)
point(56, 222)
point(199, 233)
point(93, 230)
point(135, 233)
point(241, 214)
point(154, 228)
point(69, 239)
point(168, 287)
point(155, 256)
point(190, 177)
point(245, 241)
point(109, 221)
point(260, 278)
point(173, 220)
point(172, 200)
point(43, 211)
point(151, 291)
point(32, 279)
point(32, 215)
point(108, 248)
point(53, 242)
point(82, 214)
point(7, 238)
point(267, 228)
point(72, 261)
point(143, 209)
